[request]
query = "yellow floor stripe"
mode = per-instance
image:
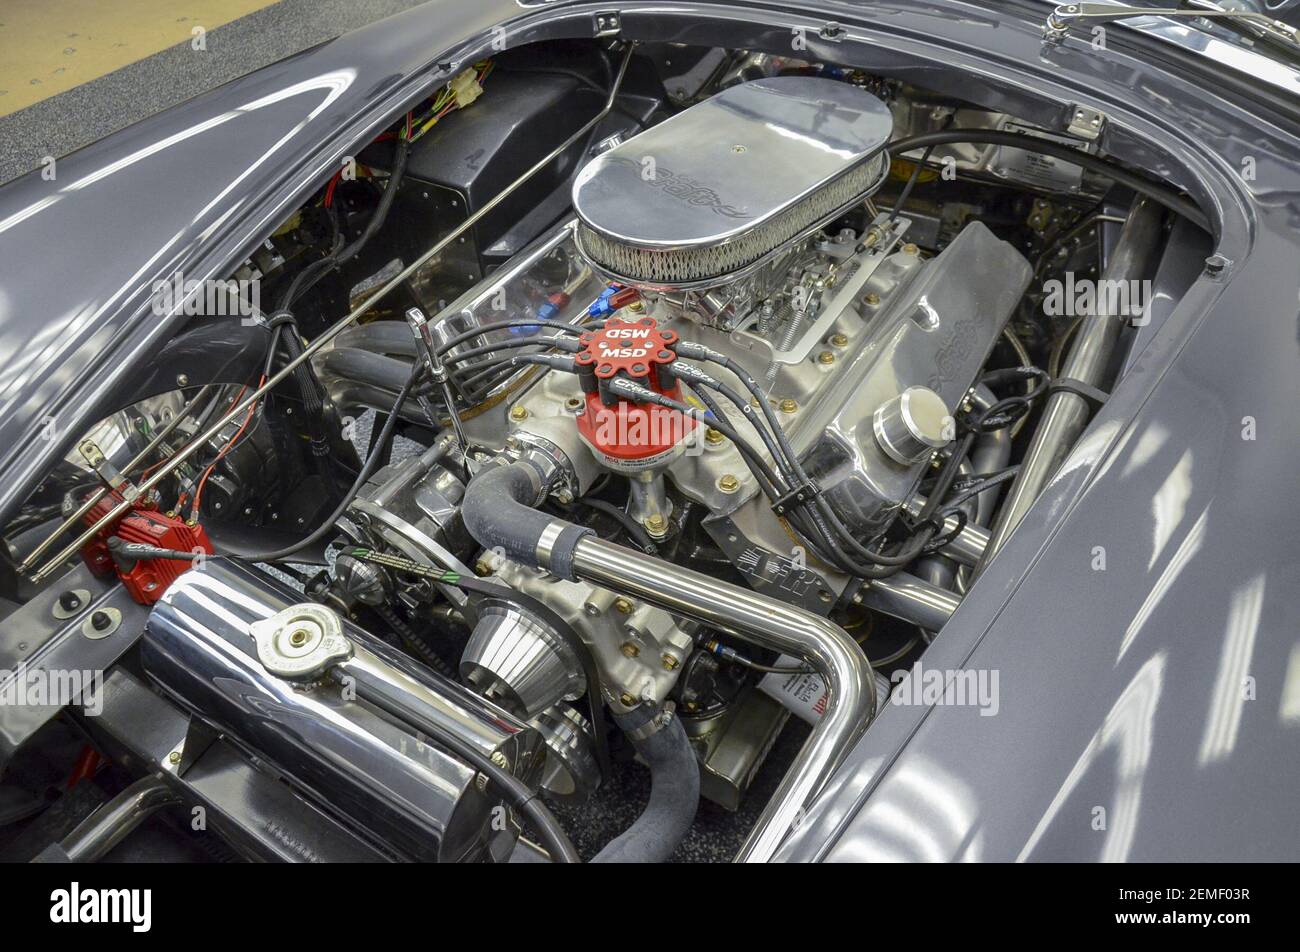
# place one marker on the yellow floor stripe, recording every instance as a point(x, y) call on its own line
point(50, 46)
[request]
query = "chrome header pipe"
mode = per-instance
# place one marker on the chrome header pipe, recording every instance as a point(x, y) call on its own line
point(851, 690)
point(1066, 414)
point(96, 835)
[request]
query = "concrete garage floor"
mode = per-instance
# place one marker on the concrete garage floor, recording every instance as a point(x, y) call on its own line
point(73, 71)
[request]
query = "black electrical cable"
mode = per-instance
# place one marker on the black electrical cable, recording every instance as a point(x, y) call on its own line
point(554, 341)
point(305, 279)
point(1161, 194)
point(314, 402)
point(970, 489)
point(1008, 410)
point(767, 480)
point(827, 526)
point(520, 322)
point(630, 525)
point(911, 184)
point(772, 487)
point(367, 469)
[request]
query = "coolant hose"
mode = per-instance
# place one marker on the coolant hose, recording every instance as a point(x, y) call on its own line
point(674, 788)
point(498, 510)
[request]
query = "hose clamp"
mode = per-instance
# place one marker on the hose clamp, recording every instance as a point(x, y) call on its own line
point(546, 541)
point(653, 726)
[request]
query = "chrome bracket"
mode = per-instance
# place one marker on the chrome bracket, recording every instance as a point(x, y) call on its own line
point(608, 23)
point(1085, 123)
point(833, 32)
point(106, 471)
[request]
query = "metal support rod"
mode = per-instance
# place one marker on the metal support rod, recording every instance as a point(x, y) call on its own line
point(114, 821)
point(425, 347)
point(1066, 414)
point(912, 599)
point(851, 690)
point(339, 326)
point(162, 434)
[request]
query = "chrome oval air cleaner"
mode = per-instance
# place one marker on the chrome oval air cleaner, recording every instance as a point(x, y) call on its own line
point(712, 193)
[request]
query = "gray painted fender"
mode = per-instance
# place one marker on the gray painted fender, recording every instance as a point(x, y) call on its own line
point(1123, 690)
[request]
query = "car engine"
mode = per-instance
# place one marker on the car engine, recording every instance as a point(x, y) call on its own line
point(676, 421)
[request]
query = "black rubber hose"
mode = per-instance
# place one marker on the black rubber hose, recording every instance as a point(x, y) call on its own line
point(674, 791)
point(498, 511)
point(354, 364)
point(315, 408)
point(367, 469)
point(392, 338)
point(1161, 194)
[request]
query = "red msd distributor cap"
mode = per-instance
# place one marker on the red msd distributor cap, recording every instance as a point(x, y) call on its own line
point(625, 435)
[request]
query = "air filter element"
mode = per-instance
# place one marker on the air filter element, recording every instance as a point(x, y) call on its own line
point(717, 190)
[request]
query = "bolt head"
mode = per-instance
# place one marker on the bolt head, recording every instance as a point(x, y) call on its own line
point(788, 405)
point(670, 662)
point(627, 700)
point(728, 483)
point(174, 757)
point(839, 340)
point(713, 437)
point(629, 650)
point(872, 299)
point(622, 606)
point(826, 357)
point(518, 413)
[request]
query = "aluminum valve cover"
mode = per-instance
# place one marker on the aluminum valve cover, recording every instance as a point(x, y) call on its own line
point(935, 332)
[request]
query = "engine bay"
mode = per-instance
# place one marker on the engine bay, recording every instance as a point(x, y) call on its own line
point(585, 465)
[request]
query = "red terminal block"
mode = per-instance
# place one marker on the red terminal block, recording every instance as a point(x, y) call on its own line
point(148, 579)
point(626, 435)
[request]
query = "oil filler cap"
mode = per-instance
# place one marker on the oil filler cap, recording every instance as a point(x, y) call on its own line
point(912, 425)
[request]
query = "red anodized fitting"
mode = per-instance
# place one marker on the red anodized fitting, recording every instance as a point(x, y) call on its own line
point(630, 435)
